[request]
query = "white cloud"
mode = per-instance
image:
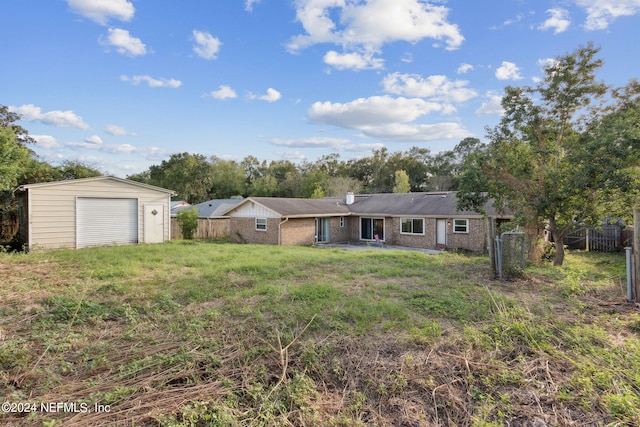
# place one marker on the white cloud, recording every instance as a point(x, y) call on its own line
point(508, 22)
point(223, 92)
point(31, 113)
point(407, 58)
point(336, 144)
point(369, 25)
point(124, 43)
point(117, 130)
point(94, 139)
point(95, 143)
point(291, 155)
point(492, 105)
point(248, 4)
point(601, 13)
point(272, 95)
point(387, 118)
point(437, 87)
point(417, 132)
point(353, 61)
point(558, 21)
point(206, 46)
point(101, 11)
point(151, 81)
point(45, 141)
point(374, 110)
point(508, 71)
point(464, 68)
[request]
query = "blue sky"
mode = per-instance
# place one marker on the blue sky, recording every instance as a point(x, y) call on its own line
point(123, 84)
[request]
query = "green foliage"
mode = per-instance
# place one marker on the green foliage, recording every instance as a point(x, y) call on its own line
point(546, 159)
point(13, 157)
point(401, 182)
point(188, 221)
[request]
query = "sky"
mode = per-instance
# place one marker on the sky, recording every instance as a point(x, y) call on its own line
point(122, 84)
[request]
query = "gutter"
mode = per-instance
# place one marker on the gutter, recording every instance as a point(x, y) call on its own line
point(280, 231)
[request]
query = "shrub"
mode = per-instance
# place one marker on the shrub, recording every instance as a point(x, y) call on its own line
point(188, 221)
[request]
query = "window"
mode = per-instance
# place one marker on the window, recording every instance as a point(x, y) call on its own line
point(261, 224)
point(341, 222)
point(460, 225)
point(412, 226)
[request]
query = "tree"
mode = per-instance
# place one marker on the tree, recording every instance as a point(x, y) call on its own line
point(13, 158)
point(8, 119)
point(537, 161)
point(227, 179)
point(189, 175)
point(339, 186)
point(76, 170)
point(188, 221)
point(401, 182)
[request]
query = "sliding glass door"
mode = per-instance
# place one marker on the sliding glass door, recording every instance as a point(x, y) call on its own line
point(371, 228)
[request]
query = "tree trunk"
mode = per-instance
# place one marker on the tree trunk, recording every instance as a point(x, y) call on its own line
point(558, 236)
point(558, 259)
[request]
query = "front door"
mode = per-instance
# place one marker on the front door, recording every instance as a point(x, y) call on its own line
point(441, 232)
point(153, 223)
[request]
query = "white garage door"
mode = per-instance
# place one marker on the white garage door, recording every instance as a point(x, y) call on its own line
point(106, 222)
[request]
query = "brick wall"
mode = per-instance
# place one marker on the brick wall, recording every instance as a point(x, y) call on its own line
point(299, 231)
point(475, 240)
point(244, 230)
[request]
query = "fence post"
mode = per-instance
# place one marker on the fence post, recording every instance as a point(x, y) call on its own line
point(636, 251)
point(491, 231)
point(629, 274)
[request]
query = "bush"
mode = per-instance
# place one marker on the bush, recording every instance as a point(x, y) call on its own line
point(188, 221)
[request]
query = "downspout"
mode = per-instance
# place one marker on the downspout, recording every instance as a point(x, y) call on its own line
point(280, 231)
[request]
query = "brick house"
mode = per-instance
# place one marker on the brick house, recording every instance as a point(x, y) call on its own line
point(417, 220)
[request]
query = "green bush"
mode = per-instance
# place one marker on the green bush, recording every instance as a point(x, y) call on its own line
point(188, 221)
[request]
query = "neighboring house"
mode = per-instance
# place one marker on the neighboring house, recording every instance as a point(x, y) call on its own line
point(417, 220)
point(177, 206)
point(97, 211)
point(212, 224)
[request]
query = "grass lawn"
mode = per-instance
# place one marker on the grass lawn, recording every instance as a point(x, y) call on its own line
point(220, 334)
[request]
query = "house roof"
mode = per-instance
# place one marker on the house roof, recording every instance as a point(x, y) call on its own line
point(443, 204)
point(26, 187)
point(423, 204)
point(294, 207)
point(214, 208)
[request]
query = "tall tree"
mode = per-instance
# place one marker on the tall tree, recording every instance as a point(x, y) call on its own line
point(189, 175)
point(227, 179)
point(13, 158)
point(401, 182)
point(535, 160)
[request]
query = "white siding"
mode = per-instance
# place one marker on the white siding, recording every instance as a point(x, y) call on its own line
point(253, 210)
point(52, 214)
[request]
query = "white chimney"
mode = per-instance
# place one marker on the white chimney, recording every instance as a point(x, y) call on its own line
point(350, 198)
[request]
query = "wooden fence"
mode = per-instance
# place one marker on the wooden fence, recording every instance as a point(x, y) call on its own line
point(214, 228)
point(606, 239)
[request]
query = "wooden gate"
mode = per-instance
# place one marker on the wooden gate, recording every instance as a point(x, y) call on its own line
point(606, 239)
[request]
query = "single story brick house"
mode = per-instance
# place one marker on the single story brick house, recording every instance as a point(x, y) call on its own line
point(98, 211)
point(417, 220)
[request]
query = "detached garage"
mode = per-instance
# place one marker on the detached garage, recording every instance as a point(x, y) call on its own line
point(98, 211)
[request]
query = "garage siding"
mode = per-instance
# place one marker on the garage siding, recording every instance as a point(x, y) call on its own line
point(52, 209)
